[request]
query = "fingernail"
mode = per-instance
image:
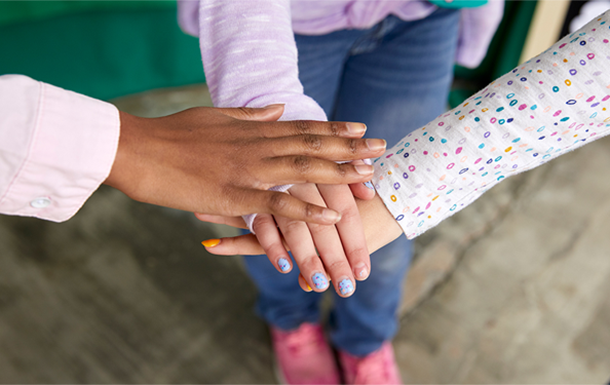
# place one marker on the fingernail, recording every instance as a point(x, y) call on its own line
point(319, 281)
point(361, 271)
point(273, 106)
point(283, 264)
point(356, 128)
point(364, 169)
point(346, 287)
point(376, 144)
point(308, 287)
point(331, 215)
point(369, 184)
point(211, 242)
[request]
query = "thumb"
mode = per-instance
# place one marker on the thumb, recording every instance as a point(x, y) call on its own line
point(270, 113)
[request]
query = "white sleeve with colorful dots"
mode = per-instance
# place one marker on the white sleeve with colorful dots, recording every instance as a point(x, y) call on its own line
point(552, 104)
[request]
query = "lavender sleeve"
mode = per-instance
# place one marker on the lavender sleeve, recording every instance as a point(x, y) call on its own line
point(250, 56)
point(250, 59)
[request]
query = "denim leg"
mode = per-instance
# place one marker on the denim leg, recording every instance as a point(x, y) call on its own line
point(281, 301)
point(396, 88)
point(321, 63)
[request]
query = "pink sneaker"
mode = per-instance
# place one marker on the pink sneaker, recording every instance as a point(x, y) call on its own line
point(303, 356)
point(378, 367)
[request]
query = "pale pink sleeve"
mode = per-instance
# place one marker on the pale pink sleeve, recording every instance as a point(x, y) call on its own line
point(56, 148)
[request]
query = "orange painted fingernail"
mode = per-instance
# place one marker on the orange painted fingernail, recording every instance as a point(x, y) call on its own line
point(308, 287)
point(211, 242)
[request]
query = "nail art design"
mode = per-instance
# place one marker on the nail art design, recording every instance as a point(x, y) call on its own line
point(319, 281)
point(283, 264)
point(346, 287)
point(369, 185)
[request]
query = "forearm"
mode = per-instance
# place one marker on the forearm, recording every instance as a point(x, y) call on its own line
point(551, 104)
point(250, 57)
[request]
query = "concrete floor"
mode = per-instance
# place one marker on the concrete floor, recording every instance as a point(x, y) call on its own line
point(514, 289)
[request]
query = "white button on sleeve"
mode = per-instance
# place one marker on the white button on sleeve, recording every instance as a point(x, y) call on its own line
point(40, 203)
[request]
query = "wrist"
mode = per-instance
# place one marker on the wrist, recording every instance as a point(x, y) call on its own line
point(123, 174)
point(381, 227)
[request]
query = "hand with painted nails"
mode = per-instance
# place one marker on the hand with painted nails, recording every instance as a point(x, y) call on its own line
point(222, 161)
point(379, 226)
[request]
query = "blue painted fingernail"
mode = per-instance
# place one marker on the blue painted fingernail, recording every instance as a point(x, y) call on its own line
point(319, 281)
point(346, 287)
point(283, 264)
point(369, 185)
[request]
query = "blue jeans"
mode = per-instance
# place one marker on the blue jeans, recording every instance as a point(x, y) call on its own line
point(394, 77)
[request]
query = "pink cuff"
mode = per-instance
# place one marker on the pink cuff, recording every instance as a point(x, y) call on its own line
point(70, 153)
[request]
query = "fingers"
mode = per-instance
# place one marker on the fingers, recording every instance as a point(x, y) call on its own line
point(284, 205)
point(303, 169)
point(350, 228)
point(298, 238)
point(266, 114)
point(328, 244)
point(222, 220)
point(325, 147)
point(313, 127)
point(364, 191)
point(241, 245)
point(304, 284)
point(270, 240)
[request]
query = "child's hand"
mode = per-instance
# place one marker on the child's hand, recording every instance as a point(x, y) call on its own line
point(222, 161)
point(380, 228)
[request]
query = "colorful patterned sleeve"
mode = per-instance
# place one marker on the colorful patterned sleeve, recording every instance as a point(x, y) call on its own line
point(552, 104)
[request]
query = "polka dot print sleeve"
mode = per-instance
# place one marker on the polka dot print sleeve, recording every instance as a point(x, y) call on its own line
point(554, 103)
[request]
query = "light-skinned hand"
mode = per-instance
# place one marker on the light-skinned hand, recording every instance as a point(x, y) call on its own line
point(380, 228)
point(222, 161)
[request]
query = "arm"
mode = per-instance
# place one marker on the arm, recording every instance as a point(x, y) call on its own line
point(250, 59)
point(552, 104)
point(250, 56)
point(58, 146)
point(423, 173)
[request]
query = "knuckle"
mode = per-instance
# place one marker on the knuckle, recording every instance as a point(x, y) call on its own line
point(358, 251)
point(341, 170)
point(348, 215)
point(262, 220)
point(301, 164)
point(316, 228)
point(245, 111)
point(301, 126)
point(334, 128)
point(291, 227)
point(337, 265)
point(278, 202)
point(353, 146)
point(310, 210)
point(312, 142)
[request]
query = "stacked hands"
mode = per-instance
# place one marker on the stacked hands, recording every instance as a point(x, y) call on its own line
point(244, 152)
